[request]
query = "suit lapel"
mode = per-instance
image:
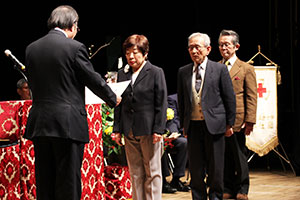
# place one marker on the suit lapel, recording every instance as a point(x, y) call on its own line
point(142, 73)
point(235, 69)
point(129, 74)
point(188, 80)
point(207, 77)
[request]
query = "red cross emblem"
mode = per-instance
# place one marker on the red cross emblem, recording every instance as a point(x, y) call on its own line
point(261, 90)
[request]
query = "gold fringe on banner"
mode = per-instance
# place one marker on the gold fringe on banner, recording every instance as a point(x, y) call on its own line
point(262, 150)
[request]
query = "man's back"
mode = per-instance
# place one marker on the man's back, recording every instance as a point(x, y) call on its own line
point(51, 69)
point(58, 71)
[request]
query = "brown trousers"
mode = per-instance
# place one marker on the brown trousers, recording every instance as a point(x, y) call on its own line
point(144, 162)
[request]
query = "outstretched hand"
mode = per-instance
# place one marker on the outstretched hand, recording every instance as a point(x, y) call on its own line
point(119, 99)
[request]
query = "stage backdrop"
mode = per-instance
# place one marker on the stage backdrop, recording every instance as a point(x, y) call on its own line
point(264, 137)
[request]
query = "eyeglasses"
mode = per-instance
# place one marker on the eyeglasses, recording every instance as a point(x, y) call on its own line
point(78, 29)
point(197, 47)
point(76, 23)
point(225, 44)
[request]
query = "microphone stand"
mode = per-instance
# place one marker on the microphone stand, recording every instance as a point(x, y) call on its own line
point(19, 70)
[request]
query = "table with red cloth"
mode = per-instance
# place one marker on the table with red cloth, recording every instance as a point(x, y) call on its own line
point(117, 182)
point(17, 174)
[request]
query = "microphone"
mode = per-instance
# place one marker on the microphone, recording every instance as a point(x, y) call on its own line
point(14, 59)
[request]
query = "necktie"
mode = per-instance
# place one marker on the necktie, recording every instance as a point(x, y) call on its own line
point(227, 63)
point(198, 79)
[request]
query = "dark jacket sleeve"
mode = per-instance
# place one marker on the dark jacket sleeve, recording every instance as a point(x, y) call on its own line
point(92, 79)
point(160, 104)
point(228, 96)
point(180, 98)
point(117, 110)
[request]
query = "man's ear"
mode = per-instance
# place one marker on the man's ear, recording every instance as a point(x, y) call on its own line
point(146, 56)
point(208, 48)
point(72, 29)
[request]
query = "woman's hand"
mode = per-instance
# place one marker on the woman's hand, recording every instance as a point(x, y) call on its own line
point(157, 138)
point(117, 138)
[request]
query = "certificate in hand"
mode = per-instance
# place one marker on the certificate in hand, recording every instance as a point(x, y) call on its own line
point(174, 135)
point(118, 88)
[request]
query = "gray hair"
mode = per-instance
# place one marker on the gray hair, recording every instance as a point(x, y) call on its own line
point(202, 35)
point(20, 83)
point(235, 36)
point(63, 17)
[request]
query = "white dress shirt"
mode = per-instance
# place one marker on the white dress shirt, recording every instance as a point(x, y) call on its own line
point(59, 29)
point(136, 73)
point(231, 61)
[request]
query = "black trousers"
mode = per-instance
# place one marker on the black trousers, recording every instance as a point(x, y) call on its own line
point(179, 156)
point(206, 156)
point(236, 171)
point(57, 168)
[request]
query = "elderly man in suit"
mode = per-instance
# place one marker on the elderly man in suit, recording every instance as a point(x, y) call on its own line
point(141, 117)
point(207, 113)
point(236, 173)
point(58, 71)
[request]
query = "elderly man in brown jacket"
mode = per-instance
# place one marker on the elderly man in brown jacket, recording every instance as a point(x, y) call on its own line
point(236, 172)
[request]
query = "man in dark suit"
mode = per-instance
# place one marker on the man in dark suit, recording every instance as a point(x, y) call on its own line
point(207, 112)
point(236, 172)
point(58, 71)
point(178, 153)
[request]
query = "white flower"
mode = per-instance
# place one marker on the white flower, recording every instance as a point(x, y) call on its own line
point(126, 68)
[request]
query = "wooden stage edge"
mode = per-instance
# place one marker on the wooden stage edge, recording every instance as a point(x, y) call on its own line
point(264, 185)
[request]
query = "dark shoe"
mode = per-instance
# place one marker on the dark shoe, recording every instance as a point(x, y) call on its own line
point(180, 186)
point(227, 196)
point(240, 196)
point(168, 189)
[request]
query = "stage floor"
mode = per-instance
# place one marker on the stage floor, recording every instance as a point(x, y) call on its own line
point(264, 185)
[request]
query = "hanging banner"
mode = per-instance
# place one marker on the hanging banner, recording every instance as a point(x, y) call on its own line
point(264, 138)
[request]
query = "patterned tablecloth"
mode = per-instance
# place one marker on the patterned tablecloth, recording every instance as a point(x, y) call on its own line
point(17, 175)
point(117, 182)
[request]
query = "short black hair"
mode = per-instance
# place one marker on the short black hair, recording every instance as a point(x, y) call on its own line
point(235, 36)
